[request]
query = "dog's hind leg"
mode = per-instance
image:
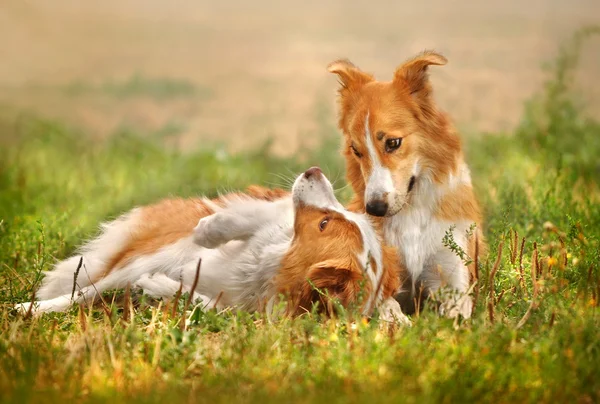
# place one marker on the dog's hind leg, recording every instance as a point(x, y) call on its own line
point(85, 295)
point(158, 286)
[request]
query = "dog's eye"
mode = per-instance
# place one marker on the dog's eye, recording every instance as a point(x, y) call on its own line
point(323, 224)
point(392, 144)
point(356, 153)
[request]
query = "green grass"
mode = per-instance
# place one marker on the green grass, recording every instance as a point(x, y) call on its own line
point(539, 185)
point(140, 86)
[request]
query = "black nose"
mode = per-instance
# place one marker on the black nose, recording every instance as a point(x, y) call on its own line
point(312, 171)
point(377, 208)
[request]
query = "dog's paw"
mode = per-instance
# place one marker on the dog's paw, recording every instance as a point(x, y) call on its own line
point(211, 231)
point(38, 308)
point(149, 286)
point(157, 286)
point(390, 312)
point(457, 306)
point(25, 307)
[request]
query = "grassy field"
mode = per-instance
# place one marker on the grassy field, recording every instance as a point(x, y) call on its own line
point(534, 336)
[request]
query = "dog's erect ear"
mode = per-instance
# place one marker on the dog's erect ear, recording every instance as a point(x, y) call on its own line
point(328, 280)
point(351, 77)
point(414, 73)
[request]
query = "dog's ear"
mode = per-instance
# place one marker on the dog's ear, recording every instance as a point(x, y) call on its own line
point(351, 77)
point(414, 74)
point(330, 280)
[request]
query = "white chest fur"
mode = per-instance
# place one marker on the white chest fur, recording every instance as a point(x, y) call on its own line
point(418, 234)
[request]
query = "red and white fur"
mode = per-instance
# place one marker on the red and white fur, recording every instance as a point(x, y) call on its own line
point(405, 163)
point(254, 247)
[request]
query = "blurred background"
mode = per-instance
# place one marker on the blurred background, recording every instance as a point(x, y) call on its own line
point(238, 73)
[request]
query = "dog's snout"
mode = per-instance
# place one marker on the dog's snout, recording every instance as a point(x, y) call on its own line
point(313, 171)
point(377, 208)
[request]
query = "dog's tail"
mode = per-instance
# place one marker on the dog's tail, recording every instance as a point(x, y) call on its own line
point(143, 241)
point(159, 274)
point(97, 255)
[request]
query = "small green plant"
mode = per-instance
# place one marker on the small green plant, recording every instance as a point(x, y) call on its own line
point(449, 242)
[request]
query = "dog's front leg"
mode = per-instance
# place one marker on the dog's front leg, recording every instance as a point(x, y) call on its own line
point(448, 281)
point(239, 221)
point(390, 311)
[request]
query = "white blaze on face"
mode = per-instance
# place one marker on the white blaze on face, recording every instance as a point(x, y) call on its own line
point(379, 183)
point(314, 191)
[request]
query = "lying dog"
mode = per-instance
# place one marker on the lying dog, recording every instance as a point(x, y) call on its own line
point(306, 247)
point(405, 163)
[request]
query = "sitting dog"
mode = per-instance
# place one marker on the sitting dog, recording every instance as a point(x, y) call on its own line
point(405, 163)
